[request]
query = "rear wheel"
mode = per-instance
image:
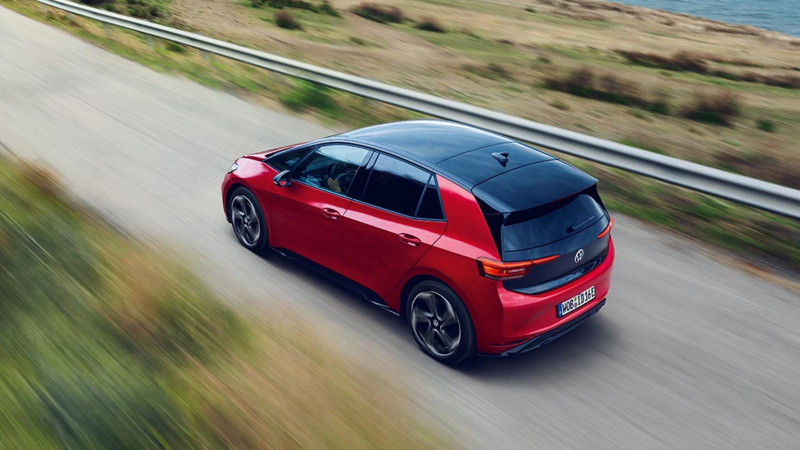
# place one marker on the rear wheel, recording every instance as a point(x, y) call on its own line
point(440, 323)
point(247, 220)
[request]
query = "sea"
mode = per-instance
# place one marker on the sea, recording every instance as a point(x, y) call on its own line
point(776, 15)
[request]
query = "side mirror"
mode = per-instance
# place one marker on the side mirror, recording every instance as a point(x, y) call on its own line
point(283, 179)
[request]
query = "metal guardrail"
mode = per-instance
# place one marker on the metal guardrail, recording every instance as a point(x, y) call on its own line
point(749, 191)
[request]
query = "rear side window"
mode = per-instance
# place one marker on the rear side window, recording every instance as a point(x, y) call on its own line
point(430, 207)
point(286, 160)
point(397, 186)
point(550, 223)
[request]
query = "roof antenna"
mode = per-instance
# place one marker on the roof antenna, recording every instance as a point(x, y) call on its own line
point(502, 157)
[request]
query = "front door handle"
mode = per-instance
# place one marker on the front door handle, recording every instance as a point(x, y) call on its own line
point(331, 213)
point(410, 240)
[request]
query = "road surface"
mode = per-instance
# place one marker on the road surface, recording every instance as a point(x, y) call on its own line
point(689, 353)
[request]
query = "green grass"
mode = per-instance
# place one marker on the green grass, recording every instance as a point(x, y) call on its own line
point(108, 344)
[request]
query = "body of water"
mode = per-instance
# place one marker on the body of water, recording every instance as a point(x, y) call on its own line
point(777, 15)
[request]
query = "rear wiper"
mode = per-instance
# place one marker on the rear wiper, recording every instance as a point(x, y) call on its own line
point(575, 227)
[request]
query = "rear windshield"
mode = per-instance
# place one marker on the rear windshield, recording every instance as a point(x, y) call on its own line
point(550, 223)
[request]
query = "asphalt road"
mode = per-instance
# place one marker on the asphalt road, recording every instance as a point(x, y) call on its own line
point(688, 353)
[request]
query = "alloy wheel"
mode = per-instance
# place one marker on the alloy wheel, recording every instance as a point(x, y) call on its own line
point(435, 323)
point(245, 220)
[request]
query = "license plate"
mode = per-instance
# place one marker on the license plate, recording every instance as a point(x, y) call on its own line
point(576, 302)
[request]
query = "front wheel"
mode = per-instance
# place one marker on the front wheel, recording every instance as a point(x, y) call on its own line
point(440, 323)
point(247, 220)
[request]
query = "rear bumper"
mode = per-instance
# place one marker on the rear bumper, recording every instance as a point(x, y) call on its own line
point(505, 320)
point(549, 336)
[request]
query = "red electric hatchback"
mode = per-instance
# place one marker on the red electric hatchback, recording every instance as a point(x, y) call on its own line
point(481, 243)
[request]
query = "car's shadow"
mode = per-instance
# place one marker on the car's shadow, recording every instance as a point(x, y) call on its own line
point(575, 351)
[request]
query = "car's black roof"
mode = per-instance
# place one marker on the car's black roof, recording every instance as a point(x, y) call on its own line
point(471, 157)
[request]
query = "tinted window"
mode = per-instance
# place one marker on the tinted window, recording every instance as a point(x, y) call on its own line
point(430, 207)
point(550, 223)
point(332, 167)
point(286, 160)
point(395, 185)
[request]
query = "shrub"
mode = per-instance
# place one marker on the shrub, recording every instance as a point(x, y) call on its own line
point(766, 125)
point(608, 88)
point(492, 70)
point(307, 95)
point(327, 8)
point(679, 61)
point(379, 13)
point(285, 19)
point(175, 47)
point(430, 24)
point(717, 108)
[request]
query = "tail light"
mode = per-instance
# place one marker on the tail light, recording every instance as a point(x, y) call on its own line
point(607, 229)
point(497, 270)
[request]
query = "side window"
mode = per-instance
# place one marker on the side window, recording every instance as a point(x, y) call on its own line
point(286, 160)
point(395, 185)
point(430, 207)
point(332, 167)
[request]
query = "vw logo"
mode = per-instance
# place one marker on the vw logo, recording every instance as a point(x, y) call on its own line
point(579, 256)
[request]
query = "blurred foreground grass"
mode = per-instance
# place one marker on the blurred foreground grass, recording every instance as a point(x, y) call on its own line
point(107, 344)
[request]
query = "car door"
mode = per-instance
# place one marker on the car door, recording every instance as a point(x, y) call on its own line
point(307, 214)
point(397, 219)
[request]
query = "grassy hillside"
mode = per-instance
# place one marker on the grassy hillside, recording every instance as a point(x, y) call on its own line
point(667, 83)
point(106, 344)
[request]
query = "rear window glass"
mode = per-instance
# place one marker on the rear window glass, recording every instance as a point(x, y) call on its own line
point(550, 223)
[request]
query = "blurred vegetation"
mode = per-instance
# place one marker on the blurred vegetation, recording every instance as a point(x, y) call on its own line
point(105, 344)
point(379, 13)
point(583, 82)
point(752, 234)
point(144, 9)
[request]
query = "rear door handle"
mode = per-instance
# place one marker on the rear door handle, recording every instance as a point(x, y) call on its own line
point(331, 213)
point(410, 240)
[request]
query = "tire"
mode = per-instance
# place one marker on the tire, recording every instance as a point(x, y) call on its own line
point(438, 343)
point(245, 209)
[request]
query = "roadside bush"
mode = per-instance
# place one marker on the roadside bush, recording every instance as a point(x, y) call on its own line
point(107, 344)
point(610, 88)
point(766, 125)
point(285, 19)
point(679, 61)
point(174, 47)
point(494, 71)
point(718, 108)
point(683, 61)
point(307, 95)
point(322, 8)
point(379, 13)
point(430, 24)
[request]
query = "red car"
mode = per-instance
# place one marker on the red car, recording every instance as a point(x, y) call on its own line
point(481, 243)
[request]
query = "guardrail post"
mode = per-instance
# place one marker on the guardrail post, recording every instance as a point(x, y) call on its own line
point(43, 8)
point(150, 43)
point(106, 29)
